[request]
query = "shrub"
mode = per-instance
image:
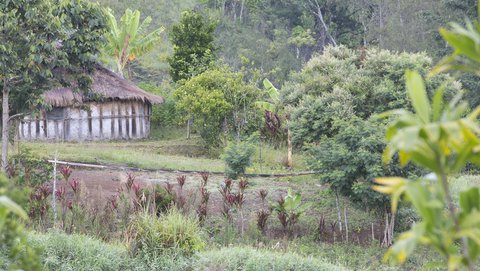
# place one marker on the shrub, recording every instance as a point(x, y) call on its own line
point(171, 231)
point(160, 197)
point(29, 169)
point(238, 156)
point(244, 258)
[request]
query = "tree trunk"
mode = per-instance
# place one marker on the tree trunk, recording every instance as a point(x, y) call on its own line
point(5, 126)
point(289, 149)
point(346, 222)
point(189, 124)
point(241, 10)
point(324, 31)
point(389, 229)
point(225, 131)
point(339, 213)
point(380, 22)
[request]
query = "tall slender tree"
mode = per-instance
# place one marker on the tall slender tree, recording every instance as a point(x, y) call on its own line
point(193, 45)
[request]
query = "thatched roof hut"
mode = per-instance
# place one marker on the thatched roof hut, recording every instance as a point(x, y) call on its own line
point(114, 109)
point(106, 84)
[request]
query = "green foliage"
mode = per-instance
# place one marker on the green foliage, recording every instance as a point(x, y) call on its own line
point(193, 45)
point(163, 114)
point(78, 253)
point(28, 169)
point(238, 156)
point(129, 40)
point(244, 258)
point(289, 209)
point(350, 160)
point(465, 43)
point(217, 98)
point(442, 138)
point(163, 200)
point(341, 83)
point(171, 231)
point(40, 36)
point(16, 252)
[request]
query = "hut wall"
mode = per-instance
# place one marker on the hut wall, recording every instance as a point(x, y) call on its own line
point(102, 121)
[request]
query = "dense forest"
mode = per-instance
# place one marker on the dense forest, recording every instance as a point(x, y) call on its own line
point(276, 37)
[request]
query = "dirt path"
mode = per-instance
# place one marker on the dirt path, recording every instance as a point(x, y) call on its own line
point(101, 184)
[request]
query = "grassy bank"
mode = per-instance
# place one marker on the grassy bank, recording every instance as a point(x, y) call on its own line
point(166, 149)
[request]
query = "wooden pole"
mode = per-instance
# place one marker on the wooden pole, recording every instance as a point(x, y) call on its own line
point(54, 199)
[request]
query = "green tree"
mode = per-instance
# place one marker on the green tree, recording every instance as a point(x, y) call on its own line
point(217, 99)
point(129, 40)
point(193, 45)
point(342, 82)
point(39, 39)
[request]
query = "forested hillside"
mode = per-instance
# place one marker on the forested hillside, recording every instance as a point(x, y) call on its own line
point(240, 135)
point(275, 37)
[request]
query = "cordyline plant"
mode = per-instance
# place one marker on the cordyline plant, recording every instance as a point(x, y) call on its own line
point(39, 204)
point(66, 171)
point(263, 214)
point(442, 138)
point(204, 197)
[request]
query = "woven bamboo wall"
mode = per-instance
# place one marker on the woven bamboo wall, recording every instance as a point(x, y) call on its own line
point(103, 121)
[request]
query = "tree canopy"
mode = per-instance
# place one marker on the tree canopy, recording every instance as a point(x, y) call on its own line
point(42, 44)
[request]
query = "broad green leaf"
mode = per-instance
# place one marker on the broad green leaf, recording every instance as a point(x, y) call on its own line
point(437, 103)
point(418, 95)
point(272, 91)
point(470, 199)
point(265, 106)
point(406, 243)
point(12, 207)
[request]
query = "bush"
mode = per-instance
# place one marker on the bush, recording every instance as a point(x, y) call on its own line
point(238, 156)
point(28, 169)
point(172, 231)
point(162, 114)
point(244, 258)
point(160, 197)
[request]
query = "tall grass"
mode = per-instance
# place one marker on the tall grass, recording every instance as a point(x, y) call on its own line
point(78, 253)
point(171, 231)
point(246, 258)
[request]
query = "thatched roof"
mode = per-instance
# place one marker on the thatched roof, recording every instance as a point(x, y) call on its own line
point(108, 85)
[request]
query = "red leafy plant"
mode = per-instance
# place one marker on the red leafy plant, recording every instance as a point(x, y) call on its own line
point(66, 171)
point(204, 197)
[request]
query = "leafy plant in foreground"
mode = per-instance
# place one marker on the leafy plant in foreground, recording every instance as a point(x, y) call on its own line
point(12, 239)
point(442, 138)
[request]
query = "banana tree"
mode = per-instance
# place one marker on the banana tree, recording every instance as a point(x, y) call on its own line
point(275, 111)
point(129, 40)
